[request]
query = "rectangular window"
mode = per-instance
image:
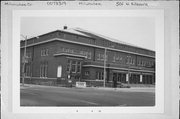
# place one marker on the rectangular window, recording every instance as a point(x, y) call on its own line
point(86, 73)
point(44, 70)
point(71, 51)
point(28, 54)
point(97, 75)
point(100, 75)
point(68, 66)
point(89, 55)
point(114, 58)
point(41, 70)
point(98, 56)
point(81, 53)
point(44, 52)
point(78, 67)
point(27, 70)
point(41, 52)
point(73, 66)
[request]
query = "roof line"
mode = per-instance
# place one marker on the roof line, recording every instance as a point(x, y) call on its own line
point(58, 30)
point(92, 45)
point(110, 39)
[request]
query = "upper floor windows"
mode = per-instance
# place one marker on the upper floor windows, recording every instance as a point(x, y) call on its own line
point(130, 60)
point(145, 63)
point(45, 52)
point(86, 73)
point(77, 51)
point(100, 57)
point(117, 58)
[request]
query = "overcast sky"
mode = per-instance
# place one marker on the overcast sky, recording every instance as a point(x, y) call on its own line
point(139, 31)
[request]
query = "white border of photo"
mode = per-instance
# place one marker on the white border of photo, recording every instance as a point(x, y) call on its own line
point(170, 88)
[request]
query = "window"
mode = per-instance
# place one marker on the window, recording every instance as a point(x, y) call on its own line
point(41, 71)
point(44, 70)
point(99, 56)
point(71, 50)
point(117, 58)
point(86, 73)
point(114, 58)
point(68, 66)
point(127, 60)
point(27, 70)
point(121, 59)
point(89, 55)
point(73, 66)
point(78, 67)
point(100, 75)
point(44, 52)
point(81, 52)
point(28, 54)
point(133, 61)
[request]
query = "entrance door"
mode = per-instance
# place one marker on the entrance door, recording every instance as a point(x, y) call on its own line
point(114, 80)
point(59, 71)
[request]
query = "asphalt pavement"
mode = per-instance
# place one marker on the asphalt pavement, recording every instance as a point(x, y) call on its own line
point(35, 95)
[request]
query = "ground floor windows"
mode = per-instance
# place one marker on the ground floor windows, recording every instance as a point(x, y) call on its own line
point(73, 66)
point(78, 67)
point(148, 79)
point(44, 70)
point(133, 78)
point(68, 66)
point(28, 70)
point(99, 75)
point(119, 77)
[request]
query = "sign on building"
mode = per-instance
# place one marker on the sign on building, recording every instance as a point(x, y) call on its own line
point(81, 84)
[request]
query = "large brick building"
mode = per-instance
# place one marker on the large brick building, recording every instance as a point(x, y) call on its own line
point(79, 55)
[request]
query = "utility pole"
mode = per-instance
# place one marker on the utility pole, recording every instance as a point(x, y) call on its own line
point(105, 67)
point(24, 58)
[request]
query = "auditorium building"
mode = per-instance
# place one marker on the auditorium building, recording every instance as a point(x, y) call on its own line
point(75, 54)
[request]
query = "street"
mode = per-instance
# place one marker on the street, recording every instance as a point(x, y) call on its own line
point(61, 96)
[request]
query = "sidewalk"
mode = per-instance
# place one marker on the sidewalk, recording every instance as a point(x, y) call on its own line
point(133, 89)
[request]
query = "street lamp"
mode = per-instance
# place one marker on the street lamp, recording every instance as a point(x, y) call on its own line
point(24, 59)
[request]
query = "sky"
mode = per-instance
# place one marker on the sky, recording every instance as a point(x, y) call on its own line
point(138, 31)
